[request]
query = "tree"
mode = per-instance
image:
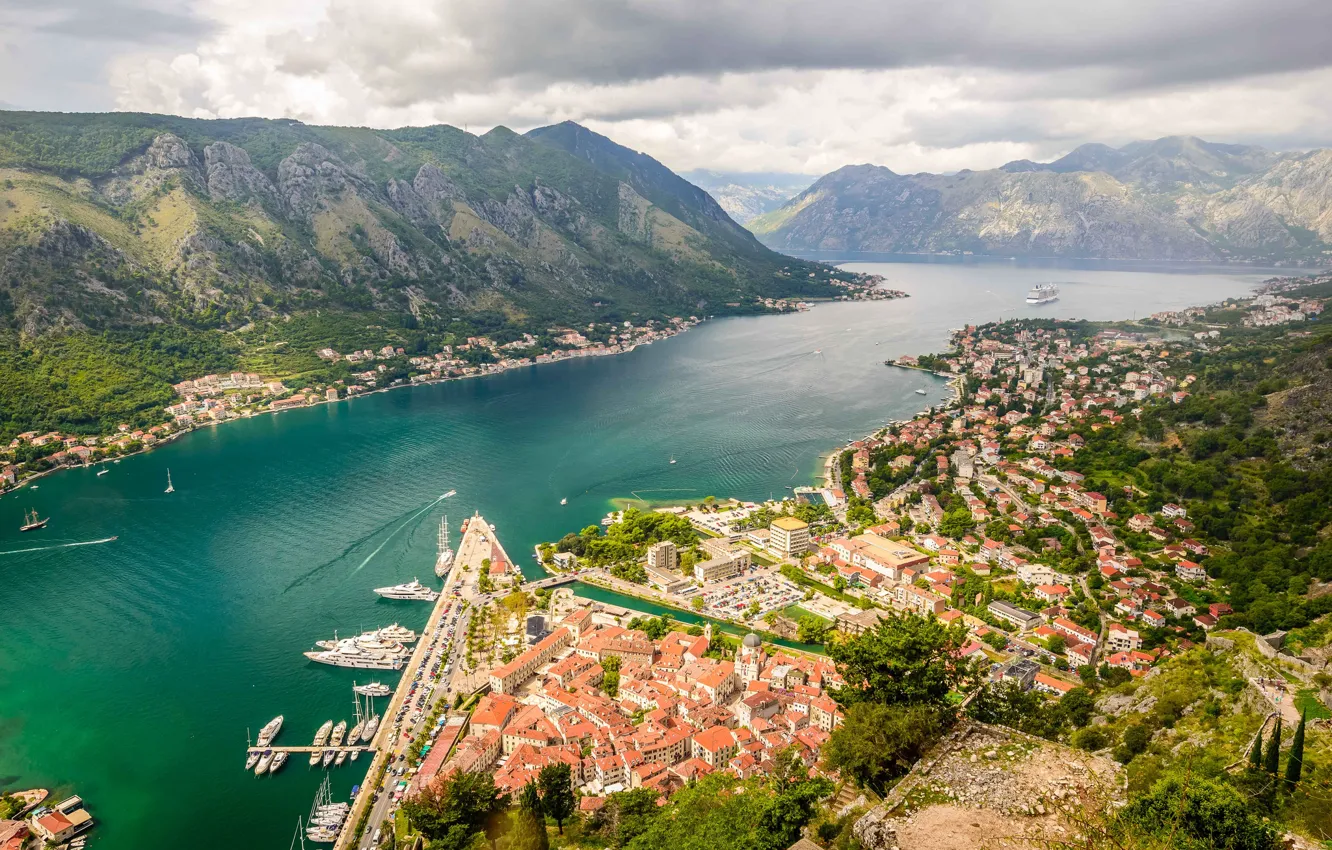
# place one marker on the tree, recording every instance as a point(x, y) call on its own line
point(878, 742)
point(1135, 741)
point(626, 815)
point(454, 812)
point(1272, 758)
point(697, 603)
point(903, 660)
point(813, 629)
point(557, 796)
point(1256, 754)
point(1193, 813)
point(527, 822)
point(1056, 644)
point(1295, 761)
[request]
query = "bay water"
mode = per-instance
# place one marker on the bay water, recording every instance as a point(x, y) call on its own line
point(132, 670)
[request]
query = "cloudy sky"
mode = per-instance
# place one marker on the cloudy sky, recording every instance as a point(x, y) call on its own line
point(778, 85)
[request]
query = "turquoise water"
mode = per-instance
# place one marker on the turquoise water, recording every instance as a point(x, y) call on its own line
point(130, 671)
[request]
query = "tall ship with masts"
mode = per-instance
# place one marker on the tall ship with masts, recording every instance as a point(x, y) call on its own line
point(444, 562)
point(32, 522)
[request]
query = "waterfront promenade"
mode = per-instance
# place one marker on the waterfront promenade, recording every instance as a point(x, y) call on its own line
point(395, 739)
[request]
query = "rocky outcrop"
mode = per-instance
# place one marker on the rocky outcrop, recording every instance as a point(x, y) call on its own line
point(167, 158)
point(311, 177)
point(231, 176)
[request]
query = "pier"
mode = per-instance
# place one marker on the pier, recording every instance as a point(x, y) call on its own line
point(307, 750)
point(390, 740)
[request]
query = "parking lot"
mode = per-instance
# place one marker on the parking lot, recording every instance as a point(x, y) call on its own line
point(734, 599)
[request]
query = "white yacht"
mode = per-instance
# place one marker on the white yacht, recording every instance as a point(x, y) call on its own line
point(396, 634)
point(371, 726)
point(374, 689)
point(252, 758)
point(444, 562)
point(269, 732)
point(279, 759)
point(348, 654)
point(411, 590)
point(264, 761)
point(1043, 293)
point(321, 737)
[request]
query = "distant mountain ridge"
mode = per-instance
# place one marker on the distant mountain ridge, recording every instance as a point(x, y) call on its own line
point(1175, 198)
point(748, 195)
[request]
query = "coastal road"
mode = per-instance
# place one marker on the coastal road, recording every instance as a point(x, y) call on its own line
point(405, 719)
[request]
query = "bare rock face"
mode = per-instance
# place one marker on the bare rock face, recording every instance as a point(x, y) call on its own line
point(436, 188)
point(407, 201)
point(875, 831)
point(231, 176)
point(167, 158)
point(313, 176)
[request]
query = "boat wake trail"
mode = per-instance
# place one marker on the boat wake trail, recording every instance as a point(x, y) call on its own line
point(358, 542)
point(58, 546)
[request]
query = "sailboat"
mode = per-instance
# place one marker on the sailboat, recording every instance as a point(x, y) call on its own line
point(564, 501)
point(445, 559)
point(170, 488)
point(31, 522)
point(672, 458)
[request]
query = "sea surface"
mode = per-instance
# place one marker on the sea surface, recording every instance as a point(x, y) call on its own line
point(131, 671)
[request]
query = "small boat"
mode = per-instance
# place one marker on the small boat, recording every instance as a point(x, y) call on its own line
point(920, 392)
point(341, 758)
point(251, 759)
point(269, 732)
point(564, 501)
point(264, 761)
point(170, 488)
point(672, 458)
point(32, 486)
point(32, 522)
point(117, 460)
point(279, 759)
point(328, 757)
point(102, 472)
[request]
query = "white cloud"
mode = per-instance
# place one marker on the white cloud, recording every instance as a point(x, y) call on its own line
point(789, 85)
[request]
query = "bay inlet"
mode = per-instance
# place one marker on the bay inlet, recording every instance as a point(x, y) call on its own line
point(131, 670)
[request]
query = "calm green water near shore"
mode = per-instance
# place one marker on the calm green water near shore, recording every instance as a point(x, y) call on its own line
point(130, 671)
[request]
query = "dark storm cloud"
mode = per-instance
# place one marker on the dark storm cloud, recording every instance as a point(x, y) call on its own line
point(104, 20)
point(1145, 43)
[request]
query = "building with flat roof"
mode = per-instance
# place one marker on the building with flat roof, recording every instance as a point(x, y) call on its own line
point(663, 556)
point(1019, 617)
point(788, 537)
point(717, 568)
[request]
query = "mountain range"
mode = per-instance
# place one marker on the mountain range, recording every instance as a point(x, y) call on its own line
point(121, 220)
point(746, 195)
point(1175, 198)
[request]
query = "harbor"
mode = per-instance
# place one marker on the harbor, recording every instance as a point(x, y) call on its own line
point(212, 593)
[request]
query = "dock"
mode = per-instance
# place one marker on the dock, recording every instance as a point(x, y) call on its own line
point(307, 750)
point(384, 744)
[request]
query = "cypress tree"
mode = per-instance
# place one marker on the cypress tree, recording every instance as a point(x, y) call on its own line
point(1272, 763)
point(1256, 754)
point(1295, 761)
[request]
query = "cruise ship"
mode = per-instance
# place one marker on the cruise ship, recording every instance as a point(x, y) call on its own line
point(445, 560)
point(1043, 293)
point(411, 590)
point(348, 654)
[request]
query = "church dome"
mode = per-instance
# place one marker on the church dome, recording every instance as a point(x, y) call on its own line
point(752, 641)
